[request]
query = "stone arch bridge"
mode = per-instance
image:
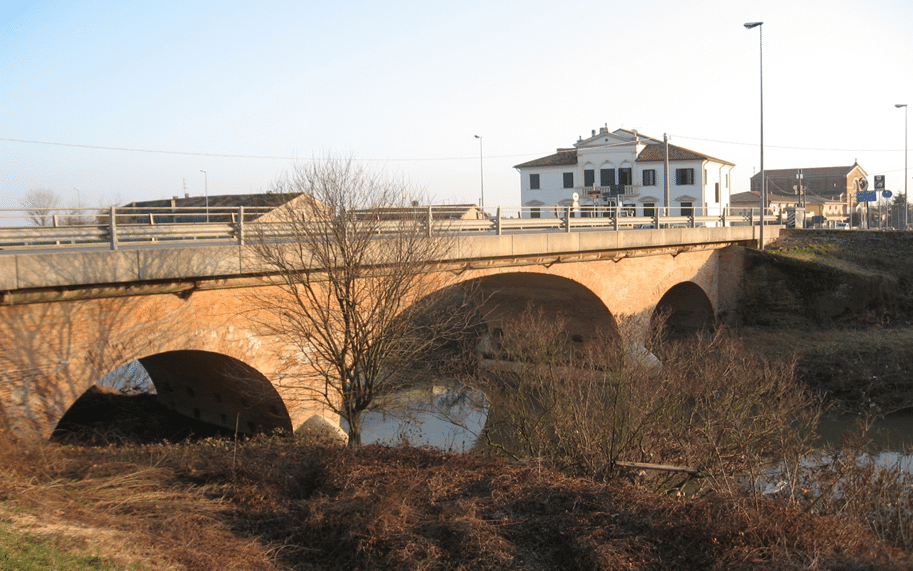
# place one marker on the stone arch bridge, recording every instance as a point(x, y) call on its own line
point(70, 318)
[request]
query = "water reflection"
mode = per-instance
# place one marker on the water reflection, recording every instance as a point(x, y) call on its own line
point(443, 417)
point(893, 432)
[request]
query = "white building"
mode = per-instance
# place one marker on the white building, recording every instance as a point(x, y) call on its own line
point(624, 168)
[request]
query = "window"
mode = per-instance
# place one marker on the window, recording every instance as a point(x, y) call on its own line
point(684, 176)
point(535, 212)
point(589, 177)
point(568, 180)
point(716, 187)
point(649, 209)
point(624, 176)
point(606, 177)
point(534, 182)
point(649, 177)
point(685, 208)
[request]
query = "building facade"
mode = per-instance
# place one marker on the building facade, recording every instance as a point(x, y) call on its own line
point(825, 184)
point(626, 169)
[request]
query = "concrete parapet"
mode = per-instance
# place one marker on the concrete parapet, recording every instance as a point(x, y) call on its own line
point(179, 263)
point(74, 269)
point(8, 273)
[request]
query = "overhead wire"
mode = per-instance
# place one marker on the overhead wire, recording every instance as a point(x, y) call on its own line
point(298, 158)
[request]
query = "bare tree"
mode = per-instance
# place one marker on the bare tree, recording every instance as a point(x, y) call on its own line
point(360, 300)
point(40, 205)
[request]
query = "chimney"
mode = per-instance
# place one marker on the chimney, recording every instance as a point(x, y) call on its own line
point(186, 195)
point(594, 133)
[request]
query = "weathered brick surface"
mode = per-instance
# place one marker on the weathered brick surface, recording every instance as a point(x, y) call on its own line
point(54, 351)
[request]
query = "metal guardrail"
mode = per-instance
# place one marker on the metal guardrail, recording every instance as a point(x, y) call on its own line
point(187, 227)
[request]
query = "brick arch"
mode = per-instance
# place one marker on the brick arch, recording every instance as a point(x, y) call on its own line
point(506, 294)
point(686, 309)
point(217, 389)
point(64, 348)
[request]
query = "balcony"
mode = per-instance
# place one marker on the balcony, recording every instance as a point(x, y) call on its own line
point(610, 191)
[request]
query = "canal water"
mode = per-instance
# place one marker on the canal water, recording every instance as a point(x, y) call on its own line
point(448, 417)
point(444, 417)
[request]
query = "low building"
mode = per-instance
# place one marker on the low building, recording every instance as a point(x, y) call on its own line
point(818, 211)
point(627, 169)
point(830, 184)
point(216, 208)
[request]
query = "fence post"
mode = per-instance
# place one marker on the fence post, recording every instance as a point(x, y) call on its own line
point(615, 220)
point(430, 218)
point(498, 222)
point(240, 225)
point(113, 228)
point(567, 218)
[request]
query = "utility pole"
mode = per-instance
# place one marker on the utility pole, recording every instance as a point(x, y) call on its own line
point(666, 197)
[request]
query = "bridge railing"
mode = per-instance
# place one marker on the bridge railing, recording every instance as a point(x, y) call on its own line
point(116, 226)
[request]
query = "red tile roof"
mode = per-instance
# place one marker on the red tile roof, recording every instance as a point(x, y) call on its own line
point(657, 153)
point(564, 157)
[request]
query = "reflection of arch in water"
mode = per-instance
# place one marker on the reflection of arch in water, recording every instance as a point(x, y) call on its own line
point(686, 308)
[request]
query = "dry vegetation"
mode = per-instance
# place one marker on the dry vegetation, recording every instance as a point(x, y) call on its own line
point(279, 504)
point(275, 504)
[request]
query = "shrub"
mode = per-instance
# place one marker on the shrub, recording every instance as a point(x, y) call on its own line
point(703, 406)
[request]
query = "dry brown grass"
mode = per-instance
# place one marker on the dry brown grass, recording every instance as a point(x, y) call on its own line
point(276, 504)
point(855, 368)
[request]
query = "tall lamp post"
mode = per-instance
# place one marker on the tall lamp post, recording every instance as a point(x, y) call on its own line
point(206, 192)
point(763, 192)
point(481, 174)
point(906, 198)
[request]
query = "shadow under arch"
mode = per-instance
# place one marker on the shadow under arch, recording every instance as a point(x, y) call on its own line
point(506, 296)
point(212, 392)
point(217, 389)
point(686, 310)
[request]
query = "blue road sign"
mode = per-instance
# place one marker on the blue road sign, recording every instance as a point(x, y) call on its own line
point(866, 196)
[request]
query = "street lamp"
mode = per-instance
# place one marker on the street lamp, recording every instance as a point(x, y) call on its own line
point(206, 192)
point(905, 197)
point(763, 192)
point(481, 173)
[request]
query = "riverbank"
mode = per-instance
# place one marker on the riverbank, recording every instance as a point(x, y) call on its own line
point(273, 504)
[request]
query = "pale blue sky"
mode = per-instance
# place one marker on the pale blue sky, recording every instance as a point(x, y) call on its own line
point(406, 85)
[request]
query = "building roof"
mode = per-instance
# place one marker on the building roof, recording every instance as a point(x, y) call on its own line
point(564, 157)
point(657, 153)
point(813, 172)
point(751, 197)
point(653, 152)
point(261, 199)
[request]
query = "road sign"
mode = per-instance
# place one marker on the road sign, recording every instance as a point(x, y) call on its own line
point(879, 182)
point(866, 196)
point(886, 193)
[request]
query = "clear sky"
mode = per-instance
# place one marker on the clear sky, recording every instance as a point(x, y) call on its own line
point(129, 99)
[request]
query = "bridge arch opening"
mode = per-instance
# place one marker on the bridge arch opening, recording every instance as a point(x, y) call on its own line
point(505, 297)
point(686, 310)
point(176, 394)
